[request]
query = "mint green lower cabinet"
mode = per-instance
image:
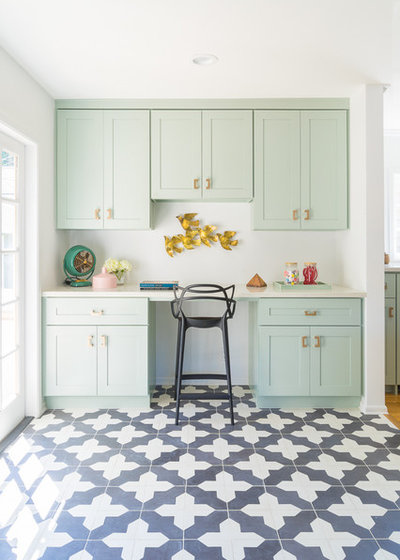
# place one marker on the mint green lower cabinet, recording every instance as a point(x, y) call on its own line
point(71, 361)
point(390, 341)
point(122, 361)
point(283, 367)
point(335, 361)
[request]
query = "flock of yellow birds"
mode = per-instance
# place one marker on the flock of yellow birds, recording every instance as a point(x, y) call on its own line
point(195, 235)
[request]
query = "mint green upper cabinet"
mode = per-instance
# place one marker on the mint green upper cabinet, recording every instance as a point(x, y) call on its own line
point(126, 170)
point(335, 367)
point(300, 170)
point(227, 155)
point(80, 169)
point(284, 360)
point(201, 155)
point(324, 169)
point(277, 170)
point(103, 172)
point(176, 155)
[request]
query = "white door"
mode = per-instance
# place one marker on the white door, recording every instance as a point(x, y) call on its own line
point(12, 401)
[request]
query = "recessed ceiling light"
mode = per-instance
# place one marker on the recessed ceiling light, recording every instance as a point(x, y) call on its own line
point(205, 59)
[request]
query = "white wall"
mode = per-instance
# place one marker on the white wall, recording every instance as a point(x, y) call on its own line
point(27, 112)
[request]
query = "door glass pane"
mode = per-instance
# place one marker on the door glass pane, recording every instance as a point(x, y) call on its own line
point(8, 282)
point(9, 174)
point(8, 226)
point(9, 379)
point(9, 326)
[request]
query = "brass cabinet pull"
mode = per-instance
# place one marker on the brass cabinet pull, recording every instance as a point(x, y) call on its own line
point(196, 183)
point(304, 341)
point(109, 213)
point(385, 285)
point(310, 313)
point(307, 213)
point(95, 313)
point(317, 342)
point(90, 341)
point(208, 184)
point(391, 312)
point(103, 341)
point(97, 214)
point(295, 215)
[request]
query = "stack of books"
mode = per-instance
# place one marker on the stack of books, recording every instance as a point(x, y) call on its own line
point(158, 284)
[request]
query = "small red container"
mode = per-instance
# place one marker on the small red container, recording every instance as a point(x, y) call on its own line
point(310, 273)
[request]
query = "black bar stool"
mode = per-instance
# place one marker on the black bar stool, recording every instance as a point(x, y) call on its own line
point(196, 292)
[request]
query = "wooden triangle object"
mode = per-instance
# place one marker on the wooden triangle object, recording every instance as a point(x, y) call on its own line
point(256, 282)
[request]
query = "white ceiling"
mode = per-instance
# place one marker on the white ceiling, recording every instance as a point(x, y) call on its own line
point(143, 48)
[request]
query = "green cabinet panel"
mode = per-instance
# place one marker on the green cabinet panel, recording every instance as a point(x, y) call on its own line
point(390, 284)
point(283, 367)
point(80, 169)
point(335, 362)
point(276, 170)
point(227, 155)
point(309, 311)
point(122, 361)
point(70, 361)
point(300, 170)
point(324, 169)
point(390, 341)
point(201, 155)
point(176, 155)
point(126, 170)
point(103, 175)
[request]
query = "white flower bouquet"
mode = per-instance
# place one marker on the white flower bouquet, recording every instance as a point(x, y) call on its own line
point(119, 268)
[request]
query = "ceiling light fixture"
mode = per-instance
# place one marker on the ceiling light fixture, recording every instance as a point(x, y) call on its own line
point(205, 59)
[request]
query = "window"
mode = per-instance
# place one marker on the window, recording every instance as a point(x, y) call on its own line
point(11, 300)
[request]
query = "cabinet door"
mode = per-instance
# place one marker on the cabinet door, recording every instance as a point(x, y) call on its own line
point(276, 170)
point(390, 341)
point(80, 169)
point(283, 361)
point(176, 155)
point(227, 155)
point(126, 170)
point(122, 361)
point(324, 170)
point(335, 368)
point(71, 361)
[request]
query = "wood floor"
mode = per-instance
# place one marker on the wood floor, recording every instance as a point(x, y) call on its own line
point(393, 406)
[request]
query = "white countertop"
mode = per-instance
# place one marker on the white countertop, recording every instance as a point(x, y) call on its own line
point(392, 267)
point(241, 292)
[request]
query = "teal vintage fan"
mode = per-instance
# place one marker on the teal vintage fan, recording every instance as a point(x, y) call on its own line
point(79, 265)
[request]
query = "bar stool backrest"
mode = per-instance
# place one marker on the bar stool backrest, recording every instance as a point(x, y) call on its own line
point(197, 292)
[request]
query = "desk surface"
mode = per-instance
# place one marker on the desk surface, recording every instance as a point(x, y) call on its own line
point(241, 293)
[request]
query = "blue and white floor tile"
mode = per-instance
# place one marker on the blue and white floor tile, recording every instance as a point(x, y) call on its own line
point(126, 484)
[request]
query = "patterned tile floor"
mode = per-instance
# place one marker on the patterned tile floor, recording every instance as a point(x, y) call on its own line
point(124, 484)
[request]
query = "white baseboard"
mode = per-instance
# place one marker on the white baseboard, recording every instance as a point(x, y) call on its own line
point(372, 409)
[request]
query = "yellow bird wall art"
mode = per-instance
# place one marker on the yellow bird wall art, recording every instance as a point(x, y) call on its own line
point(226, 240)
point(171, 245)
point(207, 235)
point(187, 221)
point(189, 240)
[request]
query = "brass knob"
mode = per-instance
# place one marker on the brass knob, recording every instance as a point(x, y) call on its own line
point(97, 214)
point(391, 312)
point(304, 341)
point(317, 342)
point(208, 184)
point(109, 213)
point(307, 213)
point(295, 215)
point(196, 183)
point(310, 313)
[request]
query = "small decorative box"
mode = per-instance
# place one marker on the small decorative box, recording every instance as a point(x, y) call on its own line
point(104, 280)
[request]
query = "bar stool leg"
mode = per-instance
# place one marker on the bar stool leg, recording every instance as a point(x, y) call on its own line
point(224, 328)
point(178, 351)
point(180, 368)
